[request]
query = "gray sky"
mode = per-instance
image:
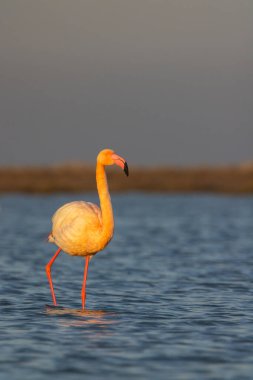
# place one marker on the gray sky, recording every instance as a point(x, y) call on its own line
point(159, 81)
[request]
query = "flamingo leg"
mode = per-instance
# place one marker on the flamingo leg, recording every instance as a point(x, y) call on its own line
point(83, 293)
point(48, 272)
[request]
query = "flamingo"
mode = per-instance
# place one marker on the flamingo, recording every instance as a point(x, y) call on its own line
point(82, 228)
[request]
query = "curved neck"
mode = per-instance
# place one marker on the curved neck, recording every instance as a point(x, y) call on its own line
point(105, 202)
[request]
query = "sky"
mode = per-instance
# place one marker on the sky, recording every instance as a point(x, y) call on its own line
point(162, 82)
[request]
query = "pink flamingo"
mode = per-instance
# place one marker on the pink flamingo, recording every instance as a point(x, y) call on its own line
point(82, 228)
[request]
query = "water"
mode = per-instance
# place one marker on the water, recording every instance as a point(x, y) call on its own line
point(170, 297)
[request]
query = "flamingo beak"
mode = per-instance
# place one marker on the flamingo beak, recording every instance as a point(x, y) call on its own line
point(121, 163)
point(126, 169)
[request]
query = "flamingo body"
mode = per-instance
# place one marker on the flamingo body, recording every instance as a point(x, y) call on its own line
point(77, 228)
point(82, 228)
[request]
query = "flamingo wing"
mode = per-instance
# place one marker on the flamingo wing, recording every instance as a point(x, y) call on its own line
point(76, 226)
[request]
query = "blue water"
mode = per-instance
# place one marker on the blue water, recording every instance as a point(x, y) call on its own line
point(171, 297)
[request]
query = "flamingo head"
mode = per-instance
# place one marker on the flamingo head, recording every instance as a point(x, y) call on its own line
point(108, 157)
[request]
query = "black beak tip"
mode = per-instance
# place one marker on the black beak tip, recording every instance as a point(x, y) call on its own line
point(126, 169)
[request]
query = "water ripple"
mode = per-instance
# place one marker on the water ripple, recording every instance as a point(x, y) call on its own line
point(171, 297)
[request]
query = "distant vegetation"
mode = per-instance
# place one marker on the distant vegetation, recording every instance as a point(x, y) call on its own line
point(81, 178)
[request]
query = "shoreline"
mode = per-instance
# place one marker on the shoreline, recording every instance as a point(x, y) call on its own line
point(237, 179)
